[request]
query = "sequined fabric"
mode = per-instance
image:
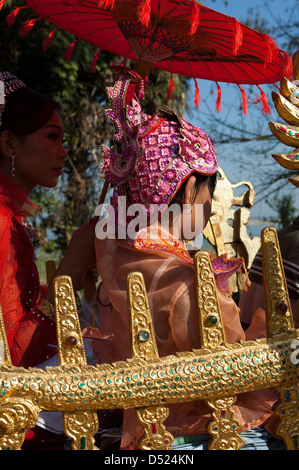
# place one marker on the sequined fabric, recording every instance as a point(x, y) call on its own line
point(170, 154)
point(11, 84)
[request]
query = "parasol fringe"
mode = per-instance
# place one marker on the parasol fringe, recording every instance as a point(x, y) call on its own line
point(93, 65)
point(145, 81)
point(10, 19)
point(218, 101)
point(271, 49)
point(144, 12)
point(244, 100)
point(2, 3)
point(49, 39)
point(106, 4)
point(171, 87)
point(197, 97)
point(69, 52)
point(238, 35)
point(194, 18)
point(266, 109)
point(27, 26)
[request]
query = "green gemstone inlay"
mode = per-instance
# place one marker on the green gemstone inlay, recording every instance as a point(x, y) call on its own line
point(82, 443)
point(212, 320)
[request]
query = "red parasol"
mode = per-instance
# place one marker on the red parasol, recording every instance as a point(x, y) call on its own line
point(181, 37)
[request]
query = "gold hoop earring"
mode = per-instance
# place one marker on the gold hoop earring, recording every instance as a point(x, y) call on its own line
point(187, 209)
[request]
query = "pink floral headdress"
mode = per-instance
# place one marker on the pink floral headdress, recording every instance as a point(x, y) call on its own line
point(10, 84)
point(153, 155)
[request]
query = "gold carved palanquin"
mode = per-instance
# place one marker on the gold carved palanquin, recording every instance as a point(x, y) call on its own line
point(217, 372)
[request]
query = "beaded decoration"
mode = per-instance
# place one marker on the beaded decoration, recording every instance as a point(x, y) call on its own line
point(153, 155)
point(10, 84)
point(223, 267)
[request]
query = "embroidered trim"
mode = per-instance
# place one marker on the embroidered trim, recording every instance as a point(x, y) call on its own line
point(46, 308)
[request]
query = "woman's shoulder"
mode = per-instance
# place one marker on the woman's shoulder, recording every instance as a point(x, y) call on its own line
point(5, 220)
point(6, 213)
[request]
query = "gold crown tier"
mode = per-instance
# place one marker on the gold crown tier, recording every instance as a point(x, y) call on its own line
point(286, 109)
point(289, 161)
point(286, 134)
point(290, 91)
point(287, 105)
point(295, 181)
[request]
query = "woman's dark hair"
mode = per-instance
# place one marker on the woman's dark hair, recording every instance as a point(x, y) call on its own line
point(26, 111)
point(201, 180)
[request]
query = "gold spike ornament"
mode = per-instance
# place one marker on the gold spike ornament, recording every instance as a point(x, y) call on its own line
point(287, 106)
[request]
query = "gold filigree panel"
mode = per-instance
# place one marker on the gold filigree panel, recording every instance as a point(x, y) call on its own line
point(79, 426)
point(287, 410)
point(278, 307)
point(143, 342)
point(144, 346)
point(4, 349)
point(224, 426)
point(209, 314)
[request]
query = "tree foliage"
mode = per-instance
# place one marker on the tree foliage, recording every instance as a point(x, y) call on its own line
point(284, 207)
point(246, 140)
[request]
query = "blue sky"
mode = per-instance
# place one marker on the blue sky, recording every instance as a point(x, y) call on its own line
point(228, 154)
point(239, 8)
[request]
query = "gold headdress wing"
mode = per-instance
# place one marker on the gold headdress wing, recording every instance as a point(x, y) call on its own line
point(287, 106)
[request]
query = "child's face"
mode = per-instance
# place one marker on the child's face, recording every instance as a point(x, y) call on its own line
point(204, 198)
point(199, 212)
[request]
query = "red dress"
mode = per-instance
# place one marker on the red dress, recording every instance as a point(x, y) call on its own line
point(31, 335)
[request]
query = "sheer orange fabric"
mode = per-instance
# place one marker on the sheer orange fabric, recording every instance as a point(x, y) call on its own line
point(31, 336)
point(169, 280)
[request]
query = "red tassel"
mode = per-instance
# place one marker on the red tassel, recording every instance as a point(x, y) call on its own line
point(27, 26)
point(93, 65)
point(266, 108)
point(49, 39)
point(106, 4)
point(194, 18)
point(2, 3)
point(12, 16)
point(171, 87)
point(218, 102)
point(238, 35)
point(69, 52)
point(263, 99)
point(288, 69)
point(244, 100)
point(145, 81)
point(144, 12)
point(271, 49)
point(196, 99)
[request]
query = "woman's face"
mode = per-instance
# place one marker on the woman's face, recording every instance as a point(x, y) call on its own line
point(39, 157)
